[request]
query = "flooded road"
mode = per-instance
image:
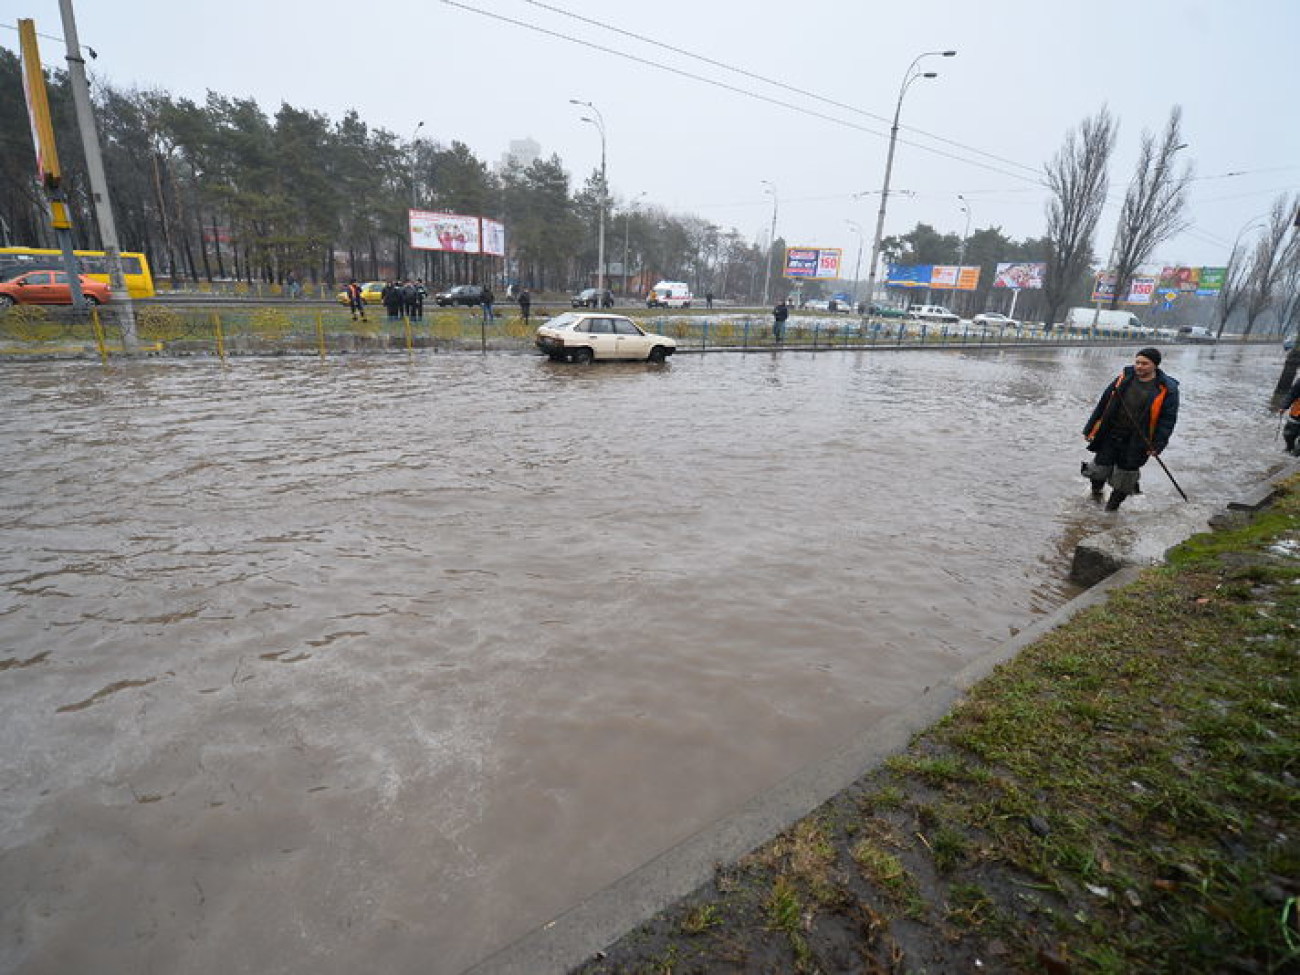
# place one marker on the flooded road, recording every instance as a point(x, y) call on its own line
point(377, 664)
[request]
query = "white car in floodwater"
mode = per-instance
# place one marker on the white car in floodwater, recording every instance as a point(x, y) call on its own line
point(584, 336)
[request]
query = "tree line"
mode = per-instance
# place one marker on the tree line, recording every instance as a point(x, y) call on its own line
point(220, 190)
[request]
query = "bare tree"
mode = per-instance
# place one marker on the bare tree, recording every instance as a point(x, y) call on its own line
point(1077, 177)
point(1273, 256)
point(1236, 282)
point(1154, 204)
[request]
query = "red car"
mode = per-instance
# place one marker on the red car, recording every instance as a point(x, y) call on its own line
point(48, 288)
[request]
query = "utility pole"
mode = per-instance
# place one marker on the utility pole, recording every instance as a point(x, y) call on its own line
point(98, 182)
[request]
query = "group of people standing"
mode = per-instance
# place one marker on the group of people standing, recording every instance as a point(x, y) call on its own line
point(405, 299)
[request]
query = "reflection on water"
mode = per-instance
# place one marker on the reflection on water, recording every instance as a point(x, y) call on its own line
point(378, 664)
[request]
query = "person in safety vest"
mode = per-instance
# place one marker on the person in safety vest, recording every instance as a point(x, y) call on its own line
point(1131, 422)
point(1291, 431)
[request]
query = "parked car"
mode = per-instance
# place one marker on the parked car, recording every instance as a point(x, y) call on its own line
point(993, 319)
point(584, 336)
point(461, 294)
point(934, 313)
point(49, 288)
point(882, 311)
point(1197, 334)
point(593, 298)
point(372, 293)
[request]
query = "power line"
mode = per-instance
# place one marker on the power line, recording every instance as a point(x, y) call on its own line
point(748, 93)
point(769, 81)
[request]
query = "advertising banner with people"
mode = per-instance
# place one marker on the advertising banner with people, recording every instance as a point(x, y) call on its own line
point(494, 237)
point(1181, 279)
point(434, 231)
point(812, 262)
point(943, 277)
point(1021, 277)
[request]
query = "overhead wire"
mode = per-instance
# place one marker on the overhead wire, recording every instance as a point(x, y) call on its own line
point(745, 92)
point(769, 81)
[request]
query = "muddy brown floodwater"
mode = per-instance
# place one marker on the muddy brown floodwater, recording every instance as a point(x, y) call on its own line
point(376, 664)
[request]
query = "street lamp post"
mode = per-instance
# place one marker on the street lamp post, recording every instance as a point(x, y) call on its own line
point(627, 229)
point(771, 242)
point(909, 76)
point(965, 234)
point(414, 159)
point(857, 265)
point(599, 123)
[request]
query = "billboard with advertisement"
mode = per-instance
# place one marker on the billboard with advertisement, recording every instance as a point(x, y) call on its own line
point(1140, 289)
point(494, 237)
point(436, 231)
point(1181, 279)
point(1022, 276)
point(1211, 280)
point(909, 275)
point(944, 277)
point(812, 262)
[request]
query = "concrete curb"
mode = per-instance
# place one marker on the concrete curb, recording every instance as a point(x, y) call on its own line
point(601, 919)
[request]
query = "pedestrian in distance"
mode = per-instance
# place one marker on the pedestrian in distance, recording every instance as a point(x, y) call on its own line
point(421, 292)
point(1132, 422)
point(392, 299)
point(356, 303)
point(488, 300)
point(708, 299)
point(1291, 432)
point(779, 315)
point(525, 304)
point(408, 300)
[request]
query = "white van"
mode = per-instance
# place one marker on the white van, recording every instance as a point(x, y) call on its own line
point(669, 294)
point(1077, 319)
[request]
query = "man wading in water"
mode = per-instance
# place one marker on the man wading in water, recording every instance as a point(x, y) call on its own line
point(1131, 422)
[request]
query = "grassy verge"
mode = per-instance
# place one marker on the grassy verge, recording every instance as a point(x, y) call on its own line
point(1122, 797)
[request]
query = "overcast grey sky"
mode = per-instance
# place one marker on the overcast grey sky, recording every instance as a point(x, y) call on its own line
point(486, 72)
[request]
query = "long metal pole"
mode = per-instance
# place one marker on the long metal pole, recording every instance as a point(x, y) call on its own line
point(771, 242)
point(98, 182)
point(604, 196)
point(908, 77)
point(857, 265)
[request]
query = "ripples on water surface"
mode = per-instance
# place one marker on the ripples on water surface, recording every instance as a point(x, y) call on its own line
point(379, 664)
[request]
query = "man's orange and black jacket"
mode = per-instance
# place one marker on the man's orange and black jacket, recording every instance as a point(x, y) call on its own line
point(1157, 426)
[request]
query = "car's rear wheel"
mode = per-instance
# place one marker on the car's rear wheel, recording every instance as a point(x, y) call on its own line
point(583, 355)
point(658, 354)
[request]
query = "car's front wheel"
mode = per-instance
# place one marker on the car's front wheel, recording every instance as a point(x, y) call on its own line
point(6, 301)
point(583, 355)
point(658, 354)
point(91, 300)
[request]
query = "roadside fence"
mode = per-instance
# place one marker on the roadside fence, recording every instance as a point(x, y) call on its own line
point(282, 328)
